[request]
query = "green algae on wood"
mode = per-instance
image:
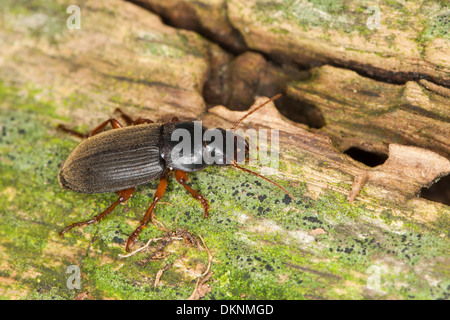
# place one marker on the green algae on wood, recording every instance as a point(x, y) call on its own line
point(259, 240)
point(264, 244)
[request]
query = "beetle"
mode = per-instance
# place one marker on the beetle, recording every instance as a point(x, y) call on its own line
point(121, 159)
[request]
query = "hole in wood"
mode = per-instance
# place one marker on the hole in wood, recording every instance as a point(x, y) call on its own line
point(297, 111)
point(300, 111)
point(369, 158)
point(438, 191)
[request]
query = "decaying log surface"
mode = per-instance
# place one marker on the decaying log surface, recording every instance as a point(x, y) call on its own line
point(351, 232)
point(394, 41)
point(398, 180)
point(128, 64)
point(361, 112)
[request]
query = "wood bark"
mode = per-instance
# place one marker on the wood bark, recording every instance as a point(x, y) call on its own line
point(344, 85)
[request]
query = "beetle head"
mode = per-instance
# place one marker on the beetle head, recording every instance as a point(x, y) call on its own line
point(226, 147)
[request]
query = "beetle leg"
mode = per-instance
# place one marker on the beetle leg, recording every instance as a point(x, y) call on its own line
point(124, 116)
point(142, 120)
point(70, 131)
point(130, 121)
point(175, 119)
point(124, 195)
point(149, 215)
point(114, 123)
point(182, 178)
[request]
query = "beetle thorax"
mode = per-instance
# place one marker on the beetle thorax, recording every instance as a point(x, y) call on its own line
point(189, 146)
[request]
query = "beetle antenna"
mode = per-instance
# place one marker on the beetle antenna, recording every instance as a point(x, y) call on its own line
point(247, 170)
point(261, 176)
point(254, 110)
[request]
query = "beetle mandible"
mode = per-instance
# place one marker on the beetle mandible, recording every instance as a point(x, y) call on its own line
point(121, 159)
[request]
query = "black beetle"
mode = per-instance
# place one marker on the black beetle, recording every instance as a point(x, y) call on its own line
point(120, 160)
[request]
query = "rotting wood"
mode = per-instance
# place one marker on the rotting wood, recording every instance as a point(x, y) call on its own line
point(397, 181)
point(369, 114)
point(399, 47)
point(125, 57)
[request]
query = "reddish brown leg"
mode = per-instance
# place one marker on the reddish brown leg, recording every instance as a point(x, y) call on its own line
point(142, 120)
point(114, 123)
point(72, 132)
point(182, 178)
point(130, 121)
point(125, 117)
point(175, 119)
point(149, 215)
point(124, 195)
